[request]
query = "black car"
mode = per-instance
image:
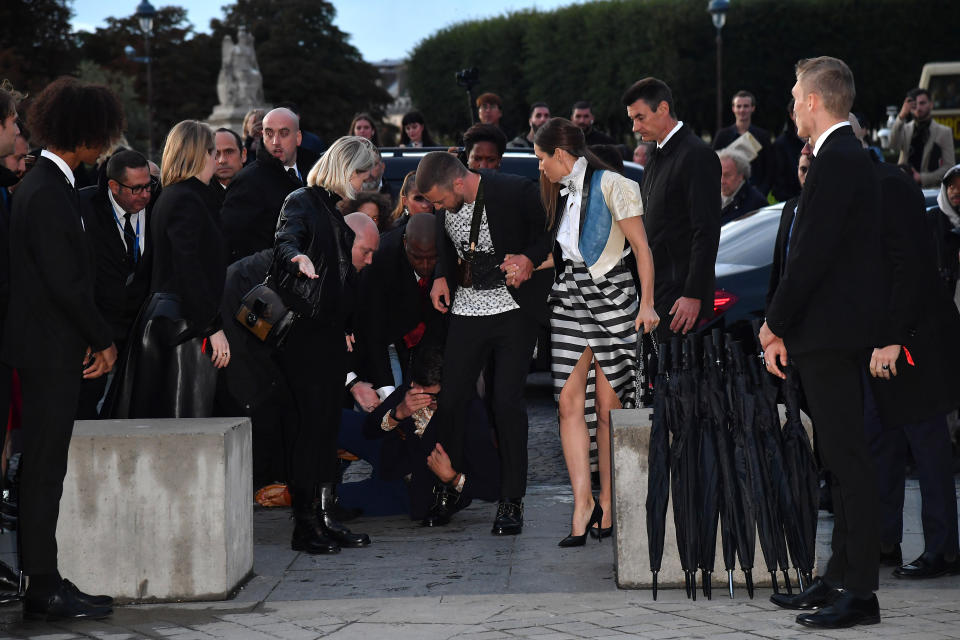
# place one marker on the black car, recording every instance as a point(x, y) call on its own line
point(400, 161)
point(744, 258)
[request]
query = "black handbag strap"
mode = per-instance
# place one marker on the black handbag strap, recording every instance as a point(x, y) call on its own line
point(475, 222)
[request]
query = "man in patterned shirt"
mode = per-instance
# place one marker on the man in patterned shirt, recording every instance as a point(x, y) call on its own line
point(491, 232)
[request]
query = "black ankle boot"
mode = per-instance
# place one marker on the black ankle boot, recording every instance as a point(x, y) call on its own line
point(333, 529)
point(308, 535)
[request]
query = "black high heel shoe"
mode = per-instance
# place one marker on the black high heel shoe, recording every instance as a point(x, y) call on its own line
point(579, 541)
point(601, 532)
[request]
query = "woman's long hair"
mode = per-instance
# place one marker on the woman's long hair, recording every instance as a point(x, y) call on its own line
point(373, 125)
point(409, 183)
point(185, 151)
point(411, 117)
point(560, 133)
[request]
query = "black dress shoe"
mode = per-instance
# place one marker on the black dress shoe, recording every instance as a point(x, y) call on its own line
point(446, 502)
point(333, 529)
point(9, 579)
point(845, 611)
point(63, 604)
point(929, 565)
point(96, 601)
point(509, 520)
point(818, 594)
point(891, 558)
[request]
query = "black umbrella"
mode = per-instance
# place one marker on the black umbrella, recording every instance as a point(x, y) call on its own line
point(731, 522)
point(658, 460)
point(709, 481)
point(684, 453)
point(778, 504)
point(802, 477)
point(742, 413)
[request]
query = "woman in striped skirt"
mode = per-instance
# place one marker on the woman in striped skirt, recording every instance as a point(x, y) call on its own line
point(595, 313)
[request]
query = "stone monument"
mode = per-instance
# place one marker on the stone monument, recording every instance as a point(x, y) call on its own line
point(240, 85)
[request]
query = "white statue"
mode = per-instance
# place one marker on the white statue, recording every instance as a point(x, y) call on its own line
point(239, 85)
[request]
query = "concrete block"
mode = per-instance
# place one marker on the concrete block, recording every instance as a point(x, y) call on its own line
point(158, 510)
point(630, 444)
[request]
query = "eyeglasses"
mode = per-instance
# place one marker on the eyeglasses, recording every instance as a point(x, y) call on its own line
point(138, 189)
point(803, 169)
point(432, 395)
point(420, 199)
point(489, 107)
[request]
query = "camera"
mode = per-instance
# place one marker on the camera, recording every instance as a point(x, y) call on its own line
point(468, 77)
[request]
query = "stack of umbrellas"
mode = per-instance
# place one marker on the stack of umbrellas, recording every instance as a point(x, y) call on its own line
point(717, 443)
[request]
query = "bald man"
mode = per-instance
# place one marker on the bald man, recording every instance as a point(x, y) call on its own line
point(254, 196)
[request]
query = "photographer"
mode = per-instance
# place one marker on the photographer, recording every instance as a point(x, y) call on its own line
point(925, 146)
point(490, 235)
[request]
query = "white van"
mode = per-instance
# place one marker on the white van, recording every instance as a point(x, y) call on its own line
point(942, 80)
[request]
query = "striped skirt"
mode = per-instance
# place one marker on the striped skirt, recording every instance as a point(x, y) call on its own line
point(598, 313)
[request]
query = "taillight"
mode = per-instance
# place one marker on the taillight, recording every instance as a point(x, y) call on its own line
point(722, 300)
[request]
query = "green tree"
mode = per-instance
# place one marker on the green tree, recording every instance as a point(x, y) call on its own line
point(35, 42)
point(307, 60)
point(123, 85)
point(184, 65)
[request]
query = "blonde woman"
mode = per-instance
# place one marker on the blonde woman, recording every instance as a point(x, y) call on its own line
point(177, 344)
point(315, 261)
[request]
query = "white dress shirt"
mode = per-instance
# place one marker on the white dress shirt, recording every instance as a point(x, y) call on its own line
point(568, 234)
point(670, 135)
point(826, 134)
point(61, 164)
point(137, 221)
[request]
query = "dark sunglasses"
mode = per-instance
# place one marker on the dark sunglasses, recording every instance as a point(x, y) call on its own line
point(419, 198)
point(803, 169)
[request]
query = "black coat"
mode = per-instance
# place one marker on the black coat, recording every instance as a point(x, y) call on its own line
point(390, 306)
point(745, 200)
point(786, 155)
point(945, 245)
point(121, 287)
point(830, 295)
point(681, 200)
point(517, 225)
point(7, 179)
point(780, 246)
point(189, 257)
point(917, 315)
point(52, 317)
point(311, 225)
point(762, 167)
point(253, 199)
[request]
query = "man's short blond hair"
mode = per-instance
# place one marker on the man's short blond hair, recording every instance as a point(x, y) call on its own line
point(831, 79)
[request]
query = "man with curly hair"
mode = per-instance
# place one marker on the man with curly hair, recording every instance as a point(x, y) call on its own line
point(54, 331)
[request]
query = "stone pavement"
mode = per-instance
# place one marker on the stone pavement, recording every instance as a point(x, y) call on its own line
point(461, 582)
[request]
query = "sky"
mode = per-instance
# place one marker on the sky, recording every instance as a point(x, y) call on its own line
point(379, 29)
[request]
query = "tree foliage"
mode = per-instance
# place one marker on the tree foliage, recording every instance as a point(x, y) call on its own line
point(35, 42)
point(184, 65)
point(594, 51)
point(307, 60)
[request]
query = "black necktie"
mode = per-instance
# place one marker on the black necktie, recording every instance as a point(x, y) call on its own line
point(130, 238)
point(293, 174)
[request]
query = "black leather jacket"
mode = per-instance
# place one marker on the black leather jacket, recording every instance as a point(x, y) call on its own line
point(310, 224)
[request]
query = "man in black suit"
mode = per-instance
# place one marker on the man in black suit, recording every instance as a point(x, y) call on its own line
point(681, 198)
point(395, 304)
point(252, 203)
point(231, 156)
point(914, 383)
point(118, 214)
point(743, 105)
point(738, 196)
point(826, 312)
point(55, 335)
point(491, 232)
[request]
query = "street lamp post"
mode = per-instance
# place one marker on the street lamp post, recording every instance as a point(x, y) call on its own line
point(718, 12)
point(145, 13)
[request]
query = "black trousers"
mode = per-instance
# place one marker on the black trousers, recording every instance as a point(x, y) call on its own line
point(313, 362)
point(471, 340)
point(49, 406)
point(833, 384)
point(929, 441)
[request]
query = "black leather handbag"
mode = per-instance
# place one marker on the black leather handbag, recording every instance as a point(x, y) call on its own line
point(263, 313)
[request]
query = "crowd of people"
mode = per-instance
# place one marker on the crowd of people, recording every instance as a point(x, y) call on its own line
point(260, 273)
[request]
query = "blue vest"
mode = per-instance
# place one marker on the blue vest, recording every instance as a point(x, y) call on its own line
point(601, 241)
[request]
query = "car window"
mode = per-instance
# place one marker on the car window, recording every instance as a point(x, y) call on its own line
point(749, 240)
